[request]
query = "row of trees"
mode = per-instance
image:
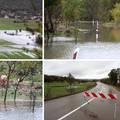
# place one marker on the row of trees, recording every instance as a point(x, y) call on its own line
point(70, 79)
point(17, 72)
point(114, 76)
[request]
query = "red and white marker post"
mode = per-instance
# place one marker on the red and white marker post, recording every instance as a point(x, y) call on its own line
point(75, 54)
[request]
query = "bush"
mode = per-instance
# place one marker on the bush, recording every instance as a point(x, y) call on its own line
point(39, 40)
point(30, 30)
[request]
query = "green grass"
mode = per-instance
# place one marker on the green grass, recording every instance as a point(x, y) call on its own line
point(111, 24)
point(8, 24)
point(59, 89)
point(4, 42)
point(20, 55)
point(38, 53)
point(19, 95)
point(108, 82)
point(14, 55)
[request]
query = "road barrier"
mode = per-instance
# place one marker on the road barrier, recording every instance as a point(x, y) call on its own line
point(100, 95)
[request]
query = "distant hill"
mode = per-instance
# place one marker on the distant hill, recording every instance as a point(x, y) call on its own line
point(21, 4)
point(53, 78)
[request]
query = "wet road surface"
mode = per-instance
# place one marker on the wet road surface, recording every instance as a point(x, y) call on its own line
point(76, 107)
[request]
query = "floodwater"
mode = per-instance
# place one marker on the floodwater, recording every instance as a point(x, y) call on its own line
point(92, 44)
point(20, 112)
point(23, 39)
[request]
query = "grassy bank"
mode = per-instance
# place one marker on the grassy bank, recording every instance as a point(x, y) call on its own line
point(60, 89)
point(107, 81)
point(4, 42)
point(15, 55)
point(21, 55)
point(111, 25)
point(10, 24)
point(18, 53)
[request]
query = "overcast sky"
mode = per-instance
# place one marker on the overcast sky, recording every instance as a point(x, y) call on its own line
point(81, 69)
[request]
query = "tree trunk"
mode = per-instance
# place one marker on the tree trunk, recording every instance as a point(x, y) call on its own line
point(2, 91)
point(16, 91)
point(34, 98)
point(6, 90)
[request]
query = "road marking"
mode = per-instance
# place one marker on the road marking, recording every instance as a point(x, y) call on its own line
point(63, 117)
point(115, 111)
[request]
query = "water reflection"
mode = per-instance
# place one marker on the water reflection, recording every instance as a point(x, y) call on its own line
point(20, 111)
point(107, 45)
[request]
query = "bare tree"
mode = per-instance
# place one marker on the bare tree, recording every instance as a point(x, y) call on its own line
point(10, 69)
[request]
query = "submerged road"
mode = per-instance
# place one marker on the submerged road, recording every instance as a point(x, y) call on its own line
point(77, 107)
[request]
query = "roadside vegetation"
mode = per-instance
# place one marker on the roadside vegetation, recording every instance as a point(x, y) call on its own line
point(56, 86)
point(12, 24)
point(114, 78)
point(17, 55)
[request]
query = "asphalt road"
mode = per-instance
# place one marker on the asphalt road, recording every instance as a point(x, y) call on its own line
point(78, 107)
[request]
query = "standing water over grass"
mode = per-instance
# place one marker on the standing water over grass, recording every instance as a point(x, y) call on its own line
point(18, 44)
point(21, 111)
point(107, 46)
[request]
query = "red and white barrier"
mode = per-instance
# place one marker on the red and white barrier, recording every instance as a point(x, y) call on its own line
point(100, 95)
point(75, 54)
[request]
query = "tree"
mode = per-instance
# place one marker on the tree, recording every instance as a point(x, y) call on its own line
point(71, 10)
point(10, 67)
point(89, 9)
point(70, 81)
point(39, 40)
point(26, 69)
point(22, 72)
point(113, 76)
point(116, 12)
point(104, 9)
point(70, 77)
point(52, 14)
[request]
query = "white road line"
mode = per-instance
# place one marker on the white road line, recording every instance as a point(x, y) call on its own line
point(76, 109)
point(66, 115)
point(115, 111)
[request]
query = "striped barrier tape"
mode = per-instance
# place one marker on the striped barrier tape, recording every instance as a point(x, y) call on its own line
point(100, 95)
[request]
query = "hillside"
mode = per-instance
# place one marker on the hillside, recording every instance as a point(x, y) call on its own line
point(21, 4)
point(53, 78)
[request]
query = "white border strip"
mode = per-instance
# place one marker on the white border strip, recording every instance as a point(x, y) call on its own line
point(43, 111)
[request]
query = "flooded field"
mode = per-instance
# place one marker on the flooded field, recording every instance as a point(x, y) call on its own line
point(20, 111)
point(19, 44)
point(88, 50)
point(101, 43)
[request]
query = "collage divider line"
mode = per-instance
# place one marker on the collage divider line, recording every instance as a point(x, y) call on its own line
point(43, 40)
